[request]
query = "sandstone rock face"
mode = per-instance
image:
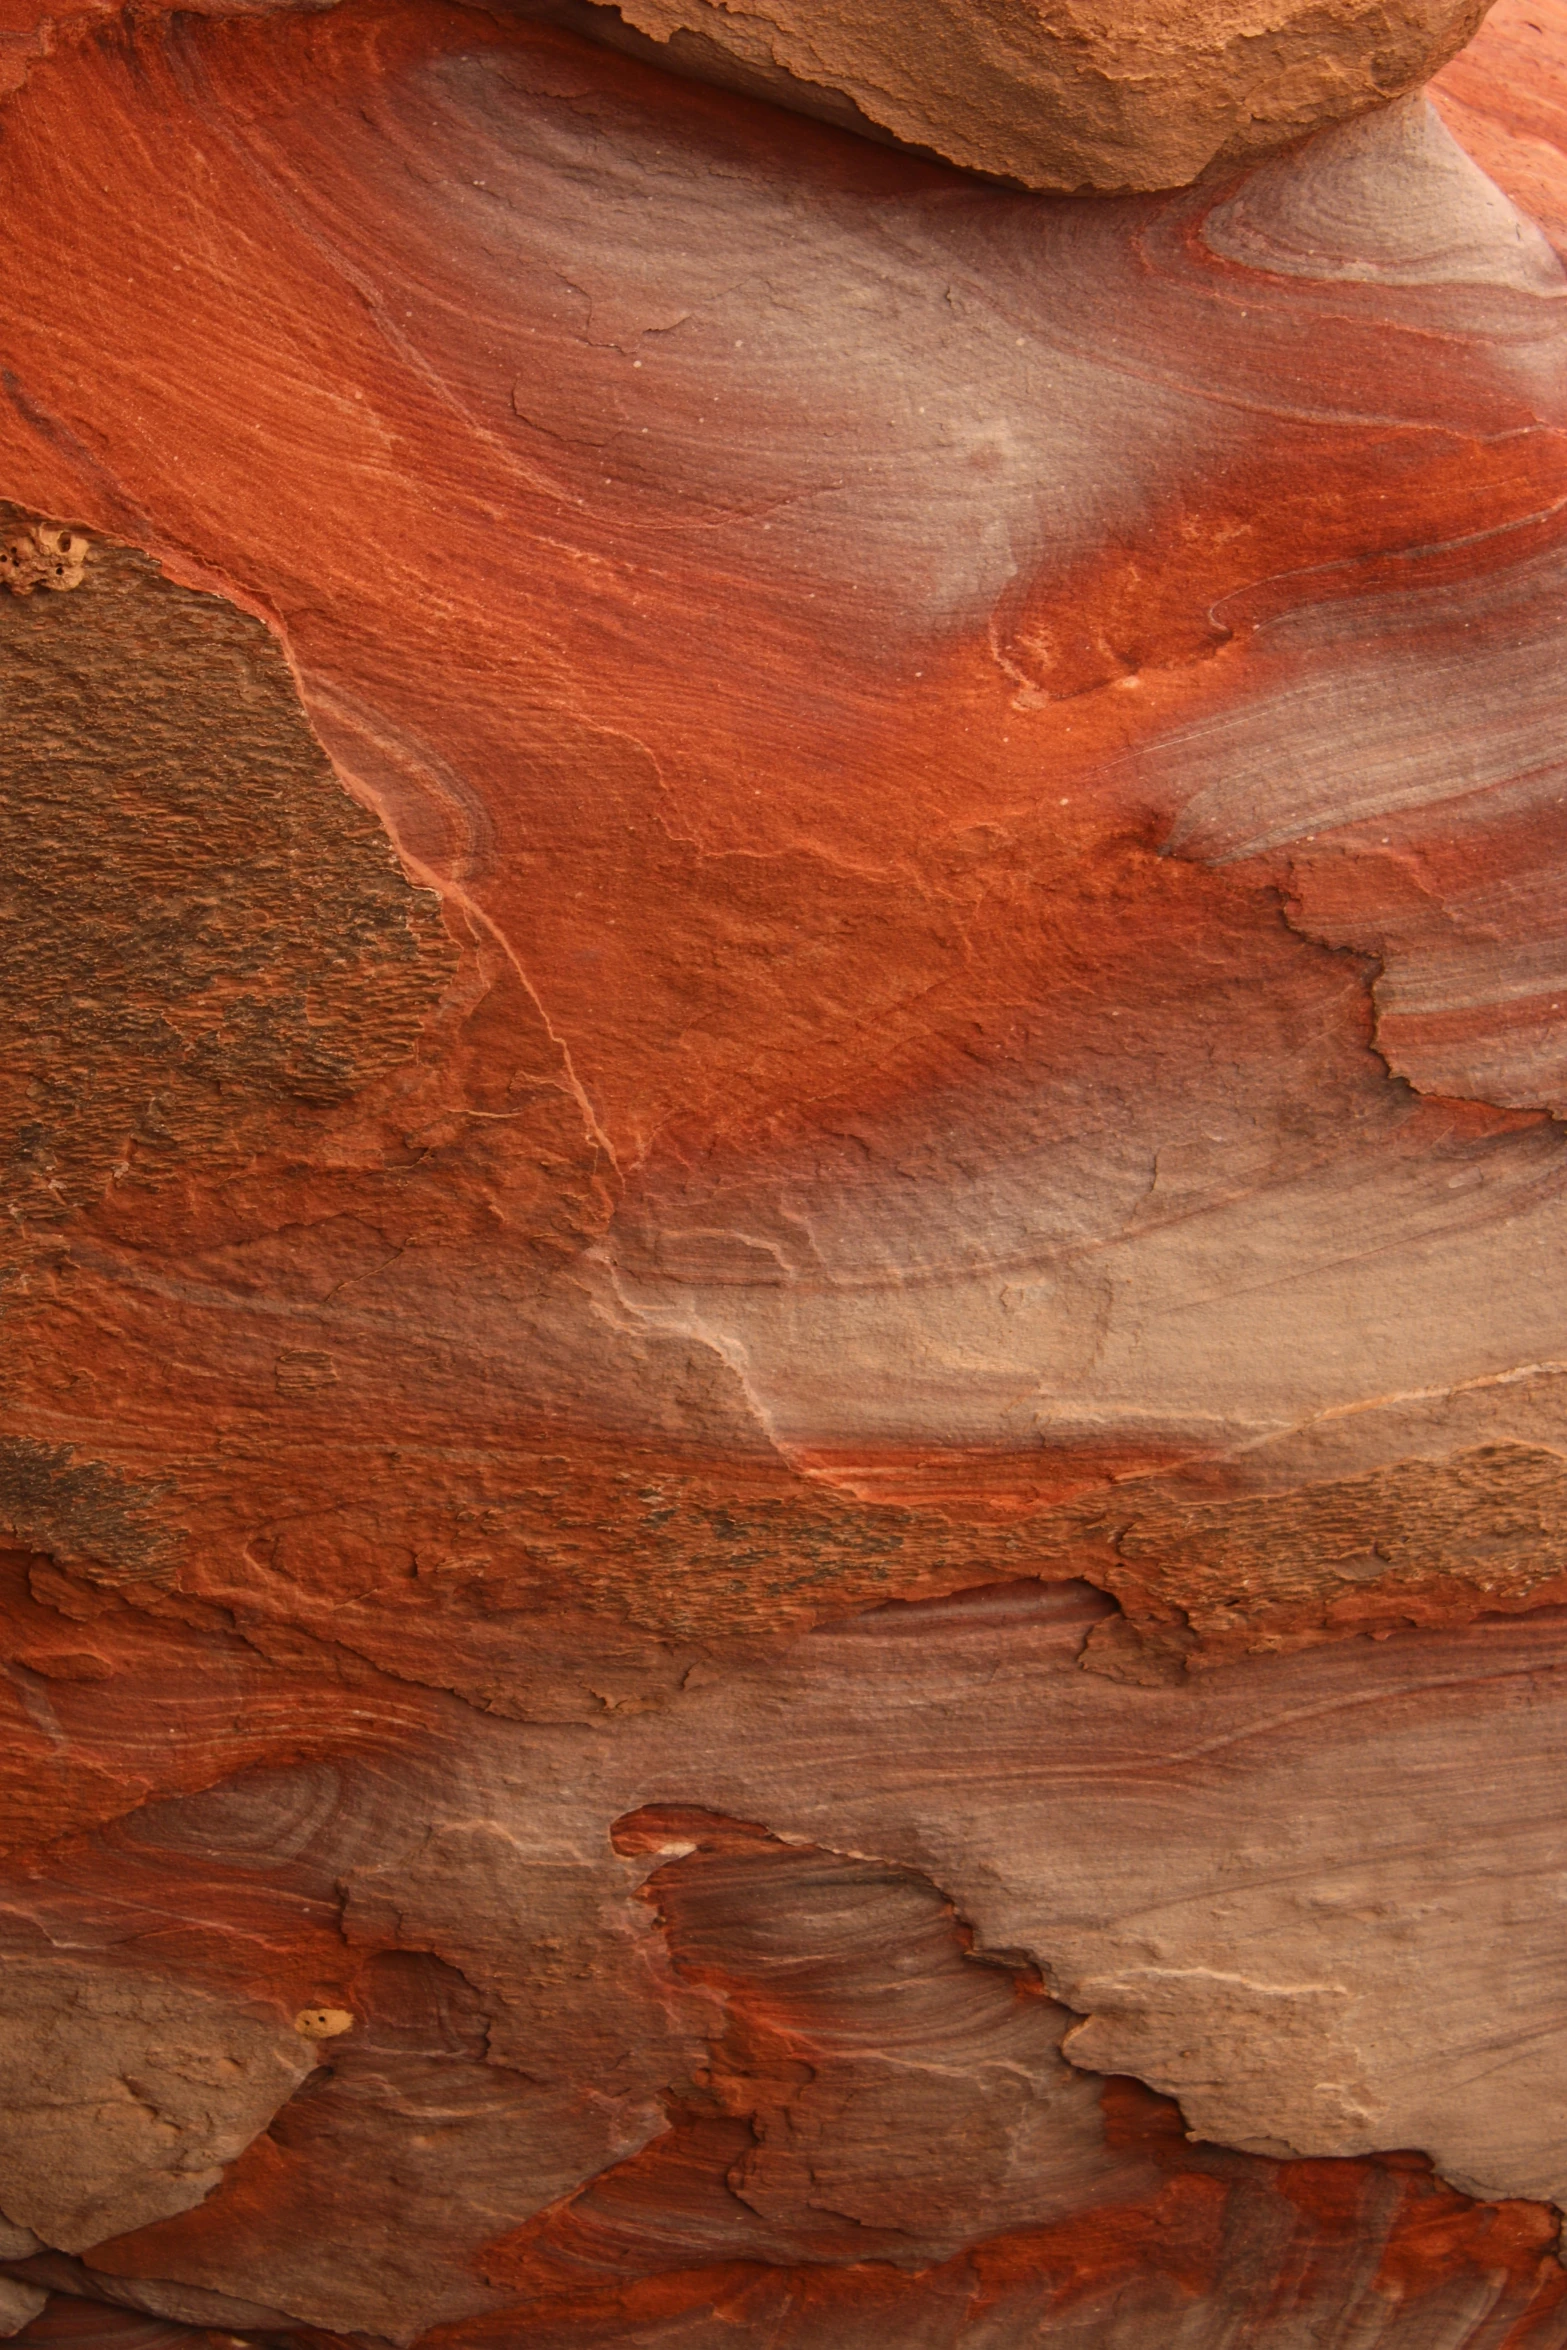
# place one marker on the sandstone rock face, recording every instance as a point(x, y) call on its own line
point(783, 1426)
point(1136, 94)
point(1506, 100)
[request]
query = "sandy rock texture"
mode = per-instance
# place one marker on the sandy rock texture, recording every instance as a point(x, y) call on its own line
point(783, 1416)
point(1116, 97)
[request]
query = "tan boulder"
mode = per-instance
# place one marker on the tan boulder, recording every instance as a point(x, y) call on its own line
point(1106, 94)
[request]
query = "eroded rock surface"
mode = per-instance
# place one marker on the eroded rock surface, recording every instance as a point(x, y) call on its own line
point(124, 2100)
point(829, 1996)
point(784, 1428)
point(1119, 97)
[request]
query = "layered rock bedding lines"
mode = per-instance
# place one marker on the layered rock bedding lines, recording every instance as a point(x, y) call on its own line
point(783, 1455)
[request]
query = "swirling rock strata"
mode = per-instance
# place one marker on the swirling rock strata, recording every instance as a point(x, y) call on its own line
point(815, 2030)
point(783, 1460)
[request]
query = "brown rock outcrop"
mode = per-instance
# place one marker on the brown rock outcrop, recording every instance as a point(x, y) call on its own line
point(1118, 95)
